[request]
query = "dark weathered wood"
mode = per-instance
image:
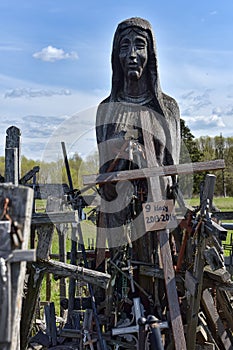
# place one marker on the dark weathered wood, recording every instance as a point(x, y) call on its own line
point(163, 235)
point(11, 166)
point(213, 228)
point(191, 283)
point(194, 300)
point(226, 307)
point(169, 170)
point(48, 287)
point(223, 215)
point(208, 192)
point(43, 191)
point(29, 175)
point(61, 231)
point(199, 263)
point(58, 217)
point(227, 226)
point(23, 255)
point(60, 269)
point(215, 324)
point(71, 333)
point(151, 271)
point(13, 140)
point(45, 235)
point(90, 255)
point(5, 285)
point(50, 317)
point(72, 281)
point(220, 276)
point(20, 209)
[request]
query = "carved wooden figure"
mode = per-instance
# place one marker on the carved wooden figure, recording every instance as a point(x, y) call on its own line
point(137, 127)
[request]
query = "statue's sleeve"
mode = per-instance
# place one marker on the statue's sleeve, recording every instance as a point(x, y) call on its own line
point(173, 119)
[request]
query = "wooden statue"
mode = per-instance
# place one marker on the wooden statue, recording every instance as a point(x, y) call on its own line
point(136, 103)
point(136, 93)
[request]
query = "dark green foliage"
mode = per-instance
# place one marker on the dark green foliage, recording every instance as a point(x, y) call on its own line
point(190, 153)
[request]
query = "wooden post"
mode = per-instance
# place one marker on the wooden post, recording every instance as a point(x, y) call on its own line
point(19, 210)
point(163, 235)
point(11, 166)
point(45, 235)
point(61, 230)
point(13, 155)
point(215, 324)
point(5, 285)
point(50, 318)
point(199, 263)
point(72, 282)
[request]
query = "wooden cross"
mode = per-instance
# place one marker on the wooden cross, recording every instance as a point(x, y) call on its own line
point(163, 236)
point(13, 262)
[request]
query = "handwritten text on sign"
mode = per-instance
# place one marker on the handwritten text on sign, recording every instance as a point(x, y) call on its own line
point(159, 215)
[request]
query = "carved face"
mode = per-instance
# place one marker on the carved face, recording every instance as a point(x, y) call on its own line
point(133, 54)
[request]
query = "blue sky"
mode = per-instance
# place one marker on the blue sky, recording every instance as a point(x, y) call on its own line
point(55, 66)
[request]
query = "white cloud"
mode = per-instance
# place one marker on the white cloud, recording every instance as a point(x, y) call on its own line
point(9, 48)
point(202, 122)
point(38, 118)
point(29, 93)
point(52, 54)
point(212, 13)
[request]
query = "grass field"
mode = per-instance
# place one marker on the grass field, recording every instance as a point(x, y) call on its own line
point(224, 204)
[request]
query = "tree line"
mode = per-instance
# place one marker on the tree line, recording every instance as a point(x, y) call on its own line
point(207, 148)
point(193, 150)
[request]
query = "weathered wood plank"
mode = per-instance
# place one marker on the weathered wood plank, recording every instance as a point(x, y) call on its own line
point(218, 330)
point(61, 269)
point(13, 140)
point(11, 166)
point(223, 215)
point(62, 236)
point(29, 175)
point(198, 270)
point(50, 318)
point(72, 281)
point(151, 271)
point(45, 235)
point(194, 300)
point(224, 302)
point(208, 192)
point(23, 255)
point(221, 276)
point(43, 191)
point(20, 209)
point(54, 218)
point(5, 285)
point(163, 236)
point(168, 170)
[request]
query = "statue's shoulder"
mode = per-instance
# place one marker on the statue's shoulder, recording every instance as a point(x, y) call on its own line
point(171, 105)
point(102, 108)
point(106, 100)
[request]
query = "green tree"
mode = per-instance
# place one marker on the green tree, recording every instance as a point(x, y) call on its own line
point(190, 152)
point(206, 146)
point(228, 157)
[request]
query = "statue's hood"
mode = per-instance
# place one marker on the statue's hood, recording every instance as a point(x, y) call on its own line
point(117, 73)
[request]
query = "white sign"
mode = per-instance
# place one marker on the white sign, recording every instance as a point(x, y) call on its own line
point(159, 215)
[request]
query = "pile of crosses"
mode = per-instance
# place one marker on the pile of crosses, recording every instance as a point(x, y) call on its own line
point(192, 302)
point(181, 301)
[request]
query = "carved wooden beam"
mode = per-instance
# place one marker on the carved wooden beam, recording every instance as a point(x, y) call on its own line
point(168, 170)
point(81, 273)
point(59, 217)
